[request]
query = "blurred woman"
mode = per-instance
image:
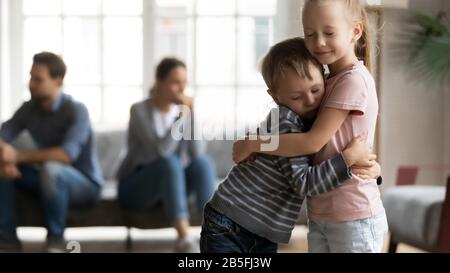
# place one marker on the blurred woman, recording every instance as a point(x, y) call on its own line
point(159, 168)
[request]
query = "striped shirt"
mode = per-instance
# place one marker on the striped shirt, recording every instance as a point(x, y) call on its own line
point(265, 196)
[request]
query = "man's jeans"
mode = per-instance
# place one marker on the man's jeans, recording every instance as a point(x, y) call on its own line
point(220, 234)
point(58, 186)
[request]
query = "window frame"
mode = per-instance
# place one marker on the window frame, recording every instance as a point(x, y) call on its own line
point(149, 19)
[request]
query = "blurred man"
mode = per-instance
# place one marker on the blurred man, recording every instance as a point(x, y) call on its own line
point(63, 171)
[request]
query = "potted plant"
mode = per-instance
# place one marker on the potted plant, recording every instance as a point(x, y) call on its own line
point(424, 46)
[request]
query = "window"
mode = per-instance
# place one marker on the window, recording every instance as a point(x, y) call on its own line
point(111, 48)
point(222, 43)
point(101, 42)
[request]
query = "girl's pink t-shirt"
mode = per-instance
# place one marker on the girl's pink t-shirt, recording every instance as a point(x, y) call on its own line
point(354, 90)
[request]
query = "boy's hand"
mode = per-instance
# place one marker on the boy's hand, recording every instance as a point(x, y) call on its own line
point(359, 153)
point(241, 150)
point(367, 172)
point(251, 158)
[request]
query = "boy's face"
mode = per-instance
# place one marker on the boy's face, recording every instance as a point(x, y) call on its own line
point(301, 95)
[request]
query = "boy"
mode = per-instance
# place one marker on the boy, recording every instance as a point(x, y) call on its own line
point(258, 204)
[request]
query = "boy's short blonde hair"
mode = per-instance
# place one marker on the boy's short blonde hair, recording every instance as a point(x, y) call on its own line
point(290, 53)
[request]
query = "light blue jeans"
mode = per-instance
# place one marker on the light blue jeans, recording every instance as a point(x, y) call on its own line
point(166, 180)
point(58, 186)
point(359, 236)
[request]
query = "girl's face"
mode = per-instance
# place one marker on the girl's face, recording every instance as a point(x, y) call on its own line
point(173, 85)
point(329, 33)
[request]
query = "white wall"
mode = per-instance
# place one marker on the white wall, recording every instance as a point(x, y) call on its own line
point(414, 116)
point(3, 60)
point(288, 19)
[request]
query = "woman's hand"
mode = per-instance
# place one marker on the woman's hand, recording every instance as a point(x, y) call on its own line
point(182, 99)
point(367, 172)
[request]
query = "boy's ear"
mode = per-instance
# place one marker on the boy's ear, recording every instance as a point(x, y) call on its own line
point(272, 94)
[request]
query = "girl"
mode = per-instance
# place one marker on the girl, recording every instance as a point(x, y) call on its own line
point(352, 217)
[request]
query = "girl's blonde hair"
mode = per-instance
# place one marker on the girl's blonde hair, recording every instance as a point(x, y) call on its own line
point(359, 14)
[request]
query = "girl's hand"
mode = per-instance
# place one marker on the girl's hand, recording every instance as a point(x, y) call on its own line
point(367, 172)
point(241, 150)
point(359, 153)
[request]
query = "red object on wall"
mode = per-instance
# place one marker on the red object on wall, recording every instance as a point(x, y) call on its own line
point(406, 175)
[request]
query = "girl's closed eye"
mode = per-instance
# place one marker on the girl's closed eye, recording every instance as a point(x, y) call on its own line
point(314, 91)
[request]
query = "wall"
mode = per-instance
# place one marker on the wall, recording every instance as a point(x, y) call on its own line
point(288, 19)
point(1, 58)
point(414, 117)
point(4, 59)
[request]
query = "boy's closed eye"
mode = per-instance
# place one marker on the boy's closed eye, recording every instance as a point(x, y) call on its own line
point(314, 91)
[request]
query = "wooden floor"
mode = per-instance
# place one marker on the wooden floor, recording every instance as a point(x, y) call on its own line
point(112, 240)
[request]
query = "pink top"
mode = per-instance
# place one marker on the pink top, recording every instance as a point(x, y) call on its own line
point(354, 90)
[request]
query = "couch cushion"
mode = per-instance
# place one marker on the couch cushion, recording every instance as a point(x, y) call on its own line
point(221, 152)
point(111, 150)
point(414, 214)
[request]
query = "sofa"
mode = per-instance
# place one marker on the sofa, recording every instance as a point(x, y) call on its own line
point(111, 149)
point(418, 215)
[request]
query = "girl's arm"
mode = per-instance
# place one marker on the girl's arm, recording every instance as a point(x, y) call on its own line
point(326, 125)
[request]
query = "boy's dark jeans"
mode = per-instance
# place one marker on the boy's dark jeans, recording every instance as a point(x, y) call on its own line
point(220, 234)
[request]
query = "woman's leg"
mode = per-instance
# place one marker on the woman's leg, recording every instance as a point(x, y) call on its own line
point(162, 180)
point(201, 180)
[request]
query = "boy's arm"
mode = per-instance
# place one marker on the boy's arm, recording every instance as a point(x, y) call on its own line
point(312, 180)
point(326, 176)
point(309, 180)
point(290, 145)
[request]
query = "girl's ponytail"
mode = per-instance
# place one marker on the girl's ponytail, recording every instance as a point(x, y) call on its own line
point(363, 48)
